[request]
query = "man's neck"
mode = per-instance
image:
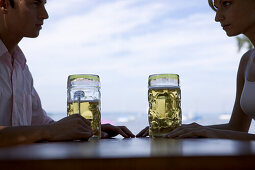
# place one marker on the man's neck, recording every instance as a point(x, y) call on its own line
point(10, 42)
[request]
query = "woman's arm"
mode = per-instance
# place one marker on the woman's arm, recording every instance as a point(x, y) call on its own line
point(197, 131)
point(239, 121)
point(238, 125)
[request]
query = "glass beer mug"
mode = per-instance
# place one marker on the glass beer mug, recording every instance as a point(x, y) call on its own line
point(164, 96)
point(84, 98)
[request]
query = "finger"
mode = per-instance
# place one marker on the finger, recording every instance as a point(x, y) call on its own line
point(127, 131)
point(185, 126)
point(140, 134)
point(116, 129)
point(119, 131)
point(191, 135)
point(77, 116)
point(84, 135)
point(146, 133)
point(106, 127)
point(104, 135)
point(175, 134)
point(86, 129)
point(80, 122)
point(87, 122)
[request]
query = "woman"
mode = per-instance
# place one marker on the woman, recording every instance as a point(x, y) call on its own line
point(236, 17)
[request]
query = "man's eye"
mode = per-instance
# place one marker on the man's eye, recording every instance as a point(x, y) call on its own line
point(37, 2)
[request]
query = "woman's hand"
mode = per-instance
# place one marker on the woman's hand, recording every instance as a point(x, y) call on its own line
point(185, 131)
point(109, 131)
point(193, 130)
point(143, 133)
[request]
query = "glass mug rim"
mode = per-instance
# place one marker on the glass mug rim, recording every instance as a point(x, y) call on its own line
point(90, 77)
point(172, 80)
point(164, 75)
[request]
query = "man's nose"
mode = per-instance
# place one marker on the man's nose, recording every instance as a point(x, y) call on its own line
point(43, 13)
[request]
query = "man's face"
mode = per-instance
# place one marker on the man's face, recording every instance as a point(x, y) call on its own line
point(26, 18)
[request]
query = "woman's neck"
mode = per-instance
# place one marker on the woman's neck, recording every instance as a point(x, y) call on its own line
point(251, 35)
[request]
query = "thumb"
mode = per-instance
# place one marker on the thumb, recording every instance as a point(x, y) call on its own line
point(104, 135)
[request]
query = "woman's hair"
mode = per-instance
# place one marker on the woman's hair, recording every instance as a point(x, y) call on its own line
point(12, 3)
point(211, 4)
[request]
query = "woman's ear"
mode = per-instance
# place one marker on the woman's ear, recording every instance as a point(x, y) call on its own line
point(3, 6)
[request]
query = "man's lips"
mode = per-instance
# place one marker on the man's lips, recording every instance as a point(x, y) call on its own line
point(225, 26)
point(38, 26)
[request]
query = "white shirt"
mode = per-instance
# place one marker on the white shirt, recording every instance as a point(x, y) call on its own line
point(20, 104)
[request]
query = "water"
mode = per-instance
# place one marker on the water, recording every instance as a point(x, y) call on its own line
point(137, 121)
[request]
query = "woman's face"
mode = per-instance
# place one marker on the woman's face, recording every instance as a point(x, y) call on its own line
point(236, 16)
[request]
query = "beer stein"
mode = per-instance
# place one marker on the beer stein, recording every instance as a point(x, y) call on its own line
point(84, 98)
point(164, 96)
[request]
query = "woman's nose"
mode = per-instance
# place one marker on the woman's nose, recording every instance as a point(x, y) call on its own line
point(219, 16)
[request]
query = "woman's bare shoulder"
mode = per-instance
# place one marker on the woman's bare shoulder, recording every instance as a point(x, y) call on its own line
point(245, 58)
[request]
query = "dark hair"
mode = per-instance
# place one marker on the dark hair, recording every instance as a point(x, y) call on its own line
point(211, 4)
point(12, 3)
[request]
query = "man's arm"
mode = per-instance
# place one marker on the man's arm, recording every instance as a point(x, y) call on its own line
point(70, 128)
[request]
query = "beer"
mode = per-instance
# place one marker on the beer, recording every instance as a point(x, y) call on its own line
point(164, 109)
point(90, 110)
point(83, 97)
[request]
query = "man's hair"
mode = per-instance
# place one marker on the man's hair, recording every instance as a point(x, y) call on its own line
point(12, 3)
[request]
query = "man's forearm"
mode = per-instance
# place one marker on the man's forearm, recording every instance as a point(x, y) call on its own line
point(23, 135)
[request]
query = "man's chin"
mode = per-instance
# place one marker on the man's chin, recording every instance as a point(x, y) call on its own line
point(231, 34)
point(32, 35)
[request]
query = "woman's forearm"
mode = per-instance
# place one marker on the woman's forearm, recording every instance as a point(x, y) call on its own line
point(229, 134)
point(220, 126)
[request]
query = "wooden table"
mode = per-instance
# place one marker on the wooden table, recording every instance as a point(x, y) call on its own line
point(136, 153)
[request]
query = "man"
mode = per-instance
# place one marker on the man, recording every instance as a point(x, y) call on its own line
point(20, 105)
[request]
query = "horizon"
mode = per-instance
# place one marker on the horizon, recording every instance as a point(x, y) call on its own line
point(126, 41)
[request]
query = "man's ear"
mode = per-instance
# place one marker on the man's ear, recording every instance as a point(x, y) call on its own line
point(3, 6)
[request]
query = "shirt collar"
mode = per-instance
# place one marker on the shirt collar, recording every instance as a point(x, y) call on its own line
point(17, 55)
point(3, 49)
point(20, 57)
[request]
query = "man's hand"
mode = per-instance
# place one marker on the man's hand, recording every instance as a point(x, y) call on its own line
point(109, 131)
point(69, 128)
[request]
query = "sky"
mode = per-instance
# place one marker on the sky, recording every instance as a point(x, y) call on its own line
point(124, 41)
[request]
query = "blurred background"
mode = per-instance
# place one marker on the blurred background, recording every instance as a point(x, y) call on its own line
point(124, 41)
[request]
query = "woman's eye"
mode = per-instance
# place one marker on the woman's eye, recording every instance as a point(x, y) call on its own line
point(226, 3)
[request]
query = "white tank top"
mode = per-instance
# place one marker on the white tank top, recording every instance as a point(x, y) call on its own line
point(247, 101)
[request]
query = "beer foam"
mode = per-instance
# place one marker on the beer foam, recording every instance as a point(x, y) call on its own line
point(91, 101)
point(164, 87)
